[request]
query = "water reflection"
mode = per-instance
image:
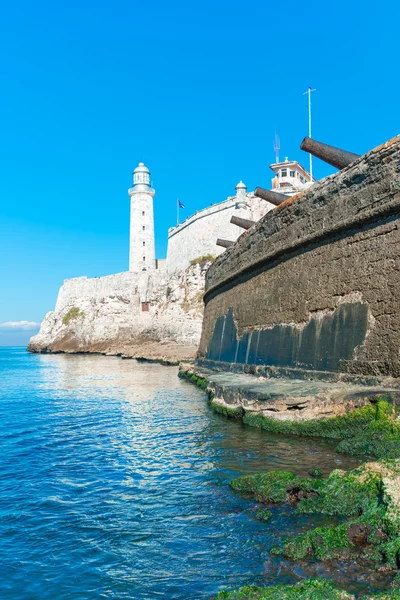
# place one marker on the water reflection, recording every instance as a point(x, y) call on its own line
point(114, 484)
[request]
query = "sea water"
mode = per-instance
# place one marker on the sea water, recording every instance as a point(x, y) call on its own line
point(114, 484)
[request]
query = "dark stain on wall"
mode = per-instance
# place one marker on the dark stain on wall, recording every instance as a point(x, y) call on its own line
point(321, 344)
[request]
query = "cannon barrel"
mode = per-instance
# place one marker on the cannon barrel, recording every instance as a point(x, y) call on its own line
point(224, 243)
point(244, 223)
point(333, 156)
point(272, 197)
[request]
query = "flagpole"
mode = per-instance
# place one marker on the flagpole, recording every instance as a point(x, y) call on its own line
point(308, 92)
point(177, 212)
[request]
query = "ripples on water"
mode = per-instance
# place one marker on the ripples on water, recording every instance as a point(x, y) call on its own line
point(113, 484)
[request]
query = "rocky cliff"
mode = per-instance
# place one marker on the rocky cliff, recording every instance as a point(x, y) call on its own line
point(154, 315)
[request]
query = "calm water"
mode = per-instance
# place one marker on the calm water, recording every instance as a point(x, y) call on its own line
point(114, 484)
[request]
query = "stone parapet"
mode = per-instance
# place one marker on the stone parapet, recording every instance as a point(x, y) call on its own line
point(316, 283)
point(360, 194)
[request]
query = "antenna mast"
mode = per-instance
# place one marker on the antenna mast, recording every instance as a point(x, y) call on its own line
point(308, 92)
point(277, 147)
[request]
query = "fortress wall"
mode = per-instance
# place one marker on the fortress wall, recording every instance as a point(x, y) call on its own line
point(316, 283)
point(83, 288)
point(197, 235)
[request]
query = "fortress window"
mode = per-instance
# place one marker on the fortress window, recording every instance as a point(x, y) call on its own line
point(142, 213)
point(144, 243)
point(144, 227)
point(283, 172)
point(144, 258)
point(292, 174)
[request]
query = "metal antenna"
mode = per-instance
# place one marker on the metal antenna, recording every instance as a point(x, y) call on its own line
point(308, 92)
point(277, 147)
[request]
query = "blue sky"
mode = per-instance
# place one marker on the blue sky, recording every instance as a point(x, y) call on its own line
point(194, 89)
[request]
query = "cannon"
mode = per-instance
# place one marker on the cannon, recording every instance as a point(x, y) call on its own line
point(224, 243)
point(272, 197)
point(333, 156)
point(244, 223)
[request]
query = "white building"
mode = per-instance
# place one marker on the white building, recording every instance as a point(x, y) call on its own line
point(198, 234)
point(290, 177)
point(142, 253)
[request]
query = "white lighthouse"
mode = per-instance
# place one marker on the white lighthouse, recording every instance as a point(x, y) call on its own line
point(142, 256)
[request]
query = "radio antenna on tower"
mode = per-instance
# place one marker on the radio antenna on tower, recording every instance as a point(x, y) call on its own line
point(308, 92)
point(277, 147)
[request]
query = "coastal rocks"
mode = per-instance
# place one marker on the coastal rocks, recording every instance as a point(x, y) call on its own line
point(285, 405)
point(366, 500)
point(362, 419)
point(310, 589)
point(155, 316)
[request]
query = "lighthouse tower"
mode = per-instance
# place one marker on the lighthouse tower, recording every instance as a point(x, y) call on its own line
point(142, 256)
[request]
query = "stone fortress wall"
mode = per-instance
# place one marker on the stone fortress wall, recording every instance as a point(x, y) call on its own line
point(84, 288)
point(198, 234)
point(314, 285)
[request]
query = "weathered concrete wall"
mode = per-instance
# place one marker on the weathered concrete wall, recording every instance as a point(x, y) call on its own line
point(316, 283)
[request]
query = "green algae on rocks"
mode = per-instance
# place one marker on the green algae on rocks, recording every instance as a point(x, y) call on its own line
point(371, 430)
point(234, 412)
point(309, 589)
point(264, 514)
point(366, 498)
point(199, 381)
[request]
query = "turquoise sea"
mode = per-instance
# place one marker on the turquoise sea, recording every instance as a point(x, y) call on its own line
point(114, 484)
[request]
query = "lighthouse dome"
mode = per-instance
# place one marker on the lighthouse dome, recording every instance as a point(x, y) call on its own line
point(141, 175)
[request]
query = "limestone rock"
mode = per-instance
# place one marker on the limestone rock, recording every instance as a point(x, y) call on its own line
point(153, 315)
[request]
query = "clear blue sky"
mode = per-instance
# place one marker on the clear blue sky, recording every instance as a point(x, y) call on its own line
point(194, 89)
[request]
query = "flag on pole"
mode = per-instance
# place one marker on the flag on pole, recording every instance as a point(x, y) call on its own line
point(178, 206)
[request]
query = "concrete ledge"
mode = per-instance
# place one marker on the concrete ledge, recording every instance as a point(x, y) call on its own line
point(270, 372)
point(283, 399)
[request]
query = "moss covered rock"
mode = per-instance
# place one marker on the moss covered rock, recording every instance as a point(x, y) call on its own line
point(373, 429)
point(264, 514)
point(367, 499)
point(315, 472)
point(269, 487)
point(193, 378)
point(310, 589)
point(227, 411)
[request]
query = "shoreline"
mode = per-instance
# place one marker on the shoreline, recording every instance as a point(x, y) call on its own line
point(168, 354)
point(365, 499)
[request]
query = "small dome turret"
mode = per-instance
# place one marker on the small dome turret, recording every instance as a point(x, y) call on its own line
point(241, 186)
point(241, 200)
